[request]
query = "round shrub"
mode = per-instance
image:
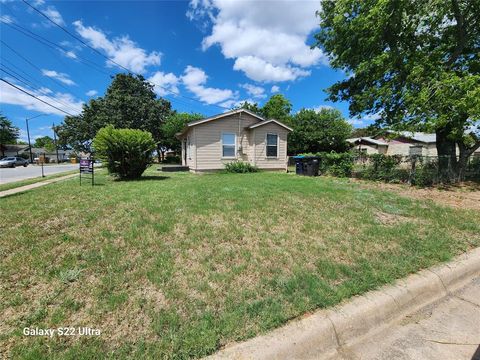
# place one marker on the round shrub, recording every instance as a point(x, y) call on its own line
point(126, 152)
point(240, 167)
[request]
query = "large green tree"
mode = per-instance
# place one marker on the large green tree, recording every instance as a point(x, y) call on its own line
point(316, 131)
point(45, 142)
point(173, 125)
point(415, 63)
point(129, 102)
point(253, 107)
point(277, 107)
point(8, 133)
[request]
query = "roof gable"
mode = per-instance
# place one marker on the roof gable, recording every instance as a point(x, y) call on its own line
point(225, 114)
point(269, 122)
point(217, 117)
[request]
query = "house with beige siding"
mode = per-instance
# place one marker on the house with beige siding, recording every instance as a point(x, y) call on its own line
point(403, 143)
point(208, 144)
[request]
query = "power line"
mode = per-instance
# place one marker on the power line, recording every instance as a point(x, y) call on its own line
point(44, 41)
point(113, 61)
point(85, 61)
point(35, 97)
point(28, 83)
point(35, 66)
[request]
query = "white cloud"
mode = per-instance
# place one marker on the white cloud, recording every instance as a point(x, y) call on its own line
point(274, 89)
point(70, 54)
point(164, 83)
point(267, 39)
point(229, 104)
point(67, 102)
point(255, 91)
point(62, 77)
point(53, 14)
point(121, 50)
point(322, 107)
point(7, 19)
point(357, 122)
point(91, 92)
point(260, 70)
point(194, 80)
point(366, 120)
point(372, 117)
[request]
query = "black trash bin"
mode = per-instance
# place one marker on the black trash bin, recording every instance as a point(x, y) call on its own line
point(307, 165)
point(312, 166)
point(299, 165)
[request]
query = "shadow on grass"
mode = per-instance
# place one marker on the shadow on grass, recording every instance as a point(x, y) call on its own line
point(468, 186)
point(145, 178)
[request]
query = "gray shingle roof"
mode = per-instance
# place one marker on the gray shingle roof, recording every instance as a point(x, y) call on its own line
point(367, 139)
point(418, 136)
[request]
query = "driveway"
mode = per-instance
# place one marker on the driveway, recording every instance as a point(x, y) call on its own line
point(8, 175)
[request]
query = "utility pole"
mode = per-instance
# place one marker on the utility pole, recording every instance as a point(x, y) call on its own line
point(55, 141)
point(28, 135)
point(29, 143)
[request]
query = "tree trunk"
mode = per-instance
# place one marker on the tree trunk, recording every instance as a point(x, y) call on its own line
point(464, 153)
point(447, 155)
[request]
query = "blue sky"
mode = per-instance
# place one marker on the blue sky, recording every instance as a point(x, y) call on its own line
point(218, 52)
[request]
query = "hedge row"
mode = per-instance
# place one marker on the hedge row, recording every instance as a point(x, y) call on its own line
point(380, 167)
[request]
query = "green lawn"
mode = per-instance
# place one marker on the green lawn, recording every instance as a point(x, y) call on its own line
point(177, 265)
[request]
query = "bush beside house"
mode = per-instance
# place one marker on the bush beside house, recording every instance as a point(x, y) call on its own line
point(240, 167)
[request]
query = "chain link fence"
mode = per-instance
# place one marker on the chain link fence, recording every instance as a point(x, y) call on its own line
point(415, 170)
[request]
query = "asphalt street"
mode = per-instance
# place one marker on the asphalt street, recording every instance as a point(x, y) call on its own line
point(8, 175)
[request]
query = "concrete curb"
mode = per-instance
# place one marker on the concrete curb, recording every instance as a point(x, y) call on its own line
point(326, 332)
point(34, 185)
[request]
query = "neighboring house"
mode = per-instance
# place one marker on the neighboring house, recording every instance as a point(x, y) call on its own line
point(14, 150)
point(17, 150)
point(368, 145)
point(399, 143)
point(208, 144)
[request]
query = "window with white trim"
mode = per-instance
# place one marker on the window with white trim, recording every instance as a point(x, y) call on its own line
point(272, 145)
point(228, 145)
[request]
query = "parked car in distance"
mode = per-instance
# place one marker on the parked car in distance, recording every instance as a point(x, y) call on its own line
point(13, 161)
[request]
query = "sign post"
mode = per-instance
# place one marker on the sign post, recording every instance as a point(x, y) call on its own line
point(86, 168)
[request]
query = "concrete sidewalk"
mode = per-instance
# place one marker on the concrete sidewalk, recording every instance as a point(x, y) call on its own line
point(447, 329)
point(34, 185)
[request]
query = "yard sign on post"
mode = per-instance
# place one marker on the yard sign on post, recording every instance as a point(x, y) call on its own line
point(86, 168)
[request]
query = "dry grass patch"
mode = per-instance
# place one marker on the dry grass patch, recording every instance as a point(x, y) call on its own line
point(180, 267)
point(461, 196)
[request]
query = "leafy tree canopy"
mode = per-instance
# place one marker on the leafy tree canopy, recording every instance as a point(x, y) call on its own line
point(253, 107)
point(317, 131)
point(45, 142)
point(325, 130)
point(412, 62)
point(129, 102)
point(277, 107)
point(8, 133)
point(173, 125)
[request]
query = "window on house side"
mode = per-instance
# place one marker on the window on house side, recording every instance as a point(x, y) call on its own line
point(272, 145)
point(228, 145)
